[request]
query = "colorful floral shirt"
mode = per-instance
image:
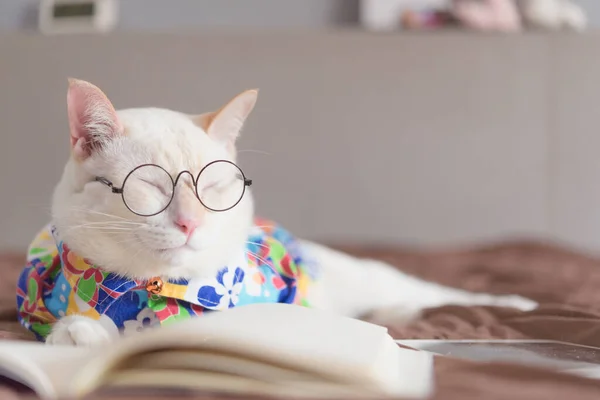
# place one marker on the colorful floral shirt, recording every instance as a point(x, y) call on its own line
point(57, 282)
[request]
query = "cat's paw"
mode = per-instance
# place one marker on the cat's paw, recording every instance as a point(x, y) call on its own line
point(78, 331)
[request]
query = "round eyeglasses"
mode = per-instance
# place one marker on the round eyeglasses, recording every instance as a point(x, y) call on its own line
point(149, 189)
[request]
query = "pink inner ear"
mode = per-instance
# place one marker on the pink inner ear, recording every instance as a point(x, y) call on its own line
point(92, 118)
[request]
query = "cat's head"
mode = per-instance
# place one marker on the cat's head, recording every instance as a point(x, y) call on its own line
point(187, 238)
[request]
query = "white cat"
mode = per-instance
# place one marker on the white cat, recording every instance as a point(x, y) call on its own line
point(187, 240)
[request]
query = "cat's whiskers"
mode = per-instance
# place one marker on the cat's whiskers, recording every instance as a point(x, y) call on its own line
point(260, 258)
point(104, 226)
point(107, 226)
point(255, 151)
point(110, 223)
point(129, 240)
point(258, 244)
point(105, 229)
point(89, 211)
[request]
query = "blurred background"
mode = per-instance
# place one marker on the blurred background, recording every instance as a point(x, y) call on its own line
point(423, 123)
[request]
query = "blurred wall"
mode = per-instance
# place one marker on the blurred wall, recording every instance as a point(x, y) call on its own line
point(425, 139)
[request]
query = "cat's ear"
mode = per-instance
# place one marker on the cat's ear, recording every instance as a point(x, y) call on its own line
point(225, 125)
point(92, 118)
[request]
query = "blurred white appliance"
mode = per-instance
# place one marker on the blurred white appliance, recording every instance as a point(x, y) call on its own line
point(77, 16)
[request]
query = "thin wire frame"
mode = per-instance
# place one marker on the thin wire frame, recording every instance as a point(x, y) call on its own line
point(120, 190)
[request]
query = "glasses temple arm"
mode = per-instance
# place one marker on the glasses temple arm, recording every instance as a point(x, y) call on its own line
point(108, 183)
point(247, 182)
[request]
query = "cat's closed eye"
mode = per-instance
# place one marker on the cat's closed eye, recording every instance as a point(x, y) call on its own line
point(219, 185)
point(157, 186)
point(212, 186)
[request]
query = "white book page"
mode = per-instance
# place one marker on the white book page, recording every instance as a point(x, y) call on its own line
point(190, 369)
point(337, 349)
point(47, 370)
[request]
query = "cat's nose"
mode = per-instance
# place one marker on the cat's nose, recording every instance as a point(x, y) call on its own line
point(187, 225)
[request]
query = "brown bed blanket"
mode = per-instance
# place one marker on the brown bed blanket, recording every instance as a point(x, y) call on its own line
point(564, 282)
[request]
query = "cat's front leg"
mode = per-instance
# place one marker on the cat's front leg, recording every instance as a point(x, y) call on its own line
point(79, 331)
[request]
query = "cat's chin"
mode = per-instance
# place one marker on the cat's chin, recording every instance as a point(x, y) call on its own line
point(176, 255)
point(186, 261)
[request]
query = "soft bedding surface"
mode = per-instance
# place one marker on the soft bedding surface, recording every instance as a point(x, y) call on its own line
point(566, 283)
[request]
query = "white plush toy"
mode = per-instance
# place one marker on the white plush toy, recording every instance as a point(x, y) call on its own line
point(552, 14)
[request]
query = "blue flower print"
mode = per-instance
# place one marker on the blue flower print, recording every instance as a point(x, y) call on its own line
point(224, 293)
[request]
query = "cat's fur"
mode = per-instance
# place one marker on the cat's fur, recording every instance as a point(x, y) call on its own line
point(96, 225)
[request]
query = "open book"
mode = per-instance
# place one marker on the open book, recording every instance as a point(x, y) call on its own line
point(262, 349)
